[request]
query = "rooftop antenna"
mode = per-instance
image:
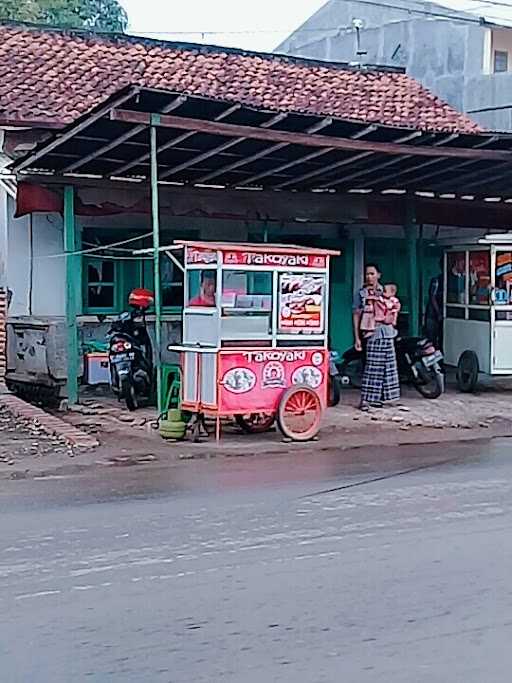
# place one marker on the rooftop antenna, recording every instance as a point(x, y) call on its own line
point(358, 24)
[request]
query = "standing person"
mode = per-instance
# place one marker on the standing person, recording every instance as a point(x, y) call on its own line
point(380, 378)
point(434, 310)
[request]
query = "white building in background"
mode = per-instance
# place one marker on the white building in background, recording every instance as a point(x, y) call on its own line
point(462, 57)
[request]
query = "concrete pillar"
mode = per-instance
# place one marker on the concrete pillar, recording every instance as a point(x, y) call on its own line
point(72, 293)
point(358, 278)
point(411, 241)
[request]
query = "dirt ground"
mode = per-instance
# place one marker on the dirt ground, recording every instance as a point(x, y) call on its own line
point(132, 438)
point(23, 442)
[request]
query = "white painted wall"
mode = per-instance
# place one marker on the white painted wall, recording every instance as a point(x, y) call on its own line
point(18, 262)
point(3, 237)
point(37, 282)
point(49, 274)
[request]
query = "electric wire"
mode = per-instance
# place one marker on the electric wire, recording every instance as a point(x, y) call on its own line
point(103, 247)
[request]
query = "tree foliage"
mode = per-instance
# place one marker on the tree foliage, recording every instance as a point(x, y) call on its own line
point(99, 15)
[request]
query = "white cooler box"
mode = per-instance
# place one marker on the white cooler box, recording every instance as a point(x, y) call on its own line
point(96, 368)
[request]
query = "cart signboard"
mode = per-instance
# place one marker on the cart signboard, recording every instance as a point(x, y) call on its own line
point(271, 259)
point(253, 381)
point(201, 256)
point(301, 303)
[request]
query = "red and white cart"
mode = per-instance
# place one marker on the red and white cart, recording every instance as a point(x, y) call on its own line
point(255, 335)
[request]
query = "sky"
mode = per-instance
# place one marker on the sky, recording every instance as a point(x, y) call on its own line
point(252, 24)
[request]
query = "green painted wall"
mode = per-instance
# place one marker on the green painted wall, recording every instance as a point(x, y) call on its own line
point(341, 296)
point(391, 256)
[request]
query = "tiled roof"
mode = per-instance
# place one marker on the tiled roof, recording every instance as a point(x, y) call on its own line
point(53, 77)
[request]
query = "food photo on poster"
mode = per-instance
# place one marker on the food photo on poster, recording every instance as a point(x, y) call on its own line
point(301, 303)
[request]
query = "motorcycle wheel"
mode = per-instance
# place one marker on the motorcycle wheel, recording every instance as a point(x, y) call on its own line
point(334, 390)
point(129, 395)
point(255, 423)
point(353, 369)
point(431, 384)
point(467, 372)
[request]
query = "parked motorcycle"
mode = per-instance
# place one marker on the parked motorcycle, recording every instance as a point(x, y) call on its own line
point(419, 364)
point(335, 379)
point(130, 352)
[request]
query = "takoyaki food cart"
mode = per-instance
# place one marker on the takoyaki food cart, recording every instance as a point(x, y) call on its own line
point(255, 335)
point(478, 309)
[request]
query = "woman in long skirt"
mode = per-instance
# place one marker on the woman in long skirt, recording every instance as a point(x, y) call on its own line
point(380, 378)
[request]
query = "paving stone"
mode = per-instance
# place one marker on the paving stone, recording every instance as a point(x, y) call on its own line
point(45, 423)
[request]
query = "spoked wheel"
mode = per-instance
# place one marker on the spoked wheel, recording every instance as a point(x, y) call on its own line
point(255, 423)
point(467, 372)
point(299, 413)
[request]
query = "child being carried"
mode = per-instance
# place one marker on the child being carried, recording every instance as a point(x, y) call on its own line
point(388, 307)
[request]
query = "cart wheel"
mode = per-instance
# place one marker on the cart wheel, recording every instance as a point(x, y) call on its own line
point(255, 423)
point(467, 372)
point(299, 413)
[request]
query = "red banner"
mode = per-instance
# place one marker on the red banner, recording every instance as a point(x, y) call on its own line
point(254, 381)
point(273, 259)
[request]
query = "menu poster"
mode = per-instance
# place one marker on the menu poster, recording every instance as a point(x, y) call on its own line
point(301, 303)
point(504, 266)
point(479, 277)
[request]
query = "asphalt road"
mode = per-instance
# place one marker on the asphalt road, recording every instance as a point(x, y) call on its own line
point(356, 567)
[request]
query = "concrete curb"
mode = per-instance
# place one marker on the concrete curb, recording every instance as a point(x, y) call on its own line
point(49, 424)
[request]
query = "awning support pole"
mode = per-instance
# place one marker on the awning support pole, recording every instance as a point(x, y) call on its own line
point(156, 266)
point(72, 288)
point(412, 267)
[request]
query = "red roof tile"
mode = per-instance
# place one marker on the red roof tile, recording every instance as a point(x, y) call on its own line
point(53, 77)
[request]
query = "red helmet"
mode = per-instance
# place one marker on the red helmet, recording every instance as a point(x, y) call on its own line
point(141, 298)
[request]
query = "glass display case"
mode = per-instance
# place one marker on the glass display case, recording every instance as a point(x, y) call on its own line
point(478, 308)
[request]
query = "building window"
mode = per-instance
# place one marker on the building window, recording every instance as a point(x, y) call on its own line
point(171, 279)
point(500, 61)
point(100, 285)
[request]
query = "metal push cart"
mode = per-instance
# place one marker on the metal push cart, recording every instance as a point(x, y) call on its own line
point(255, 331)
point(478, 309)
